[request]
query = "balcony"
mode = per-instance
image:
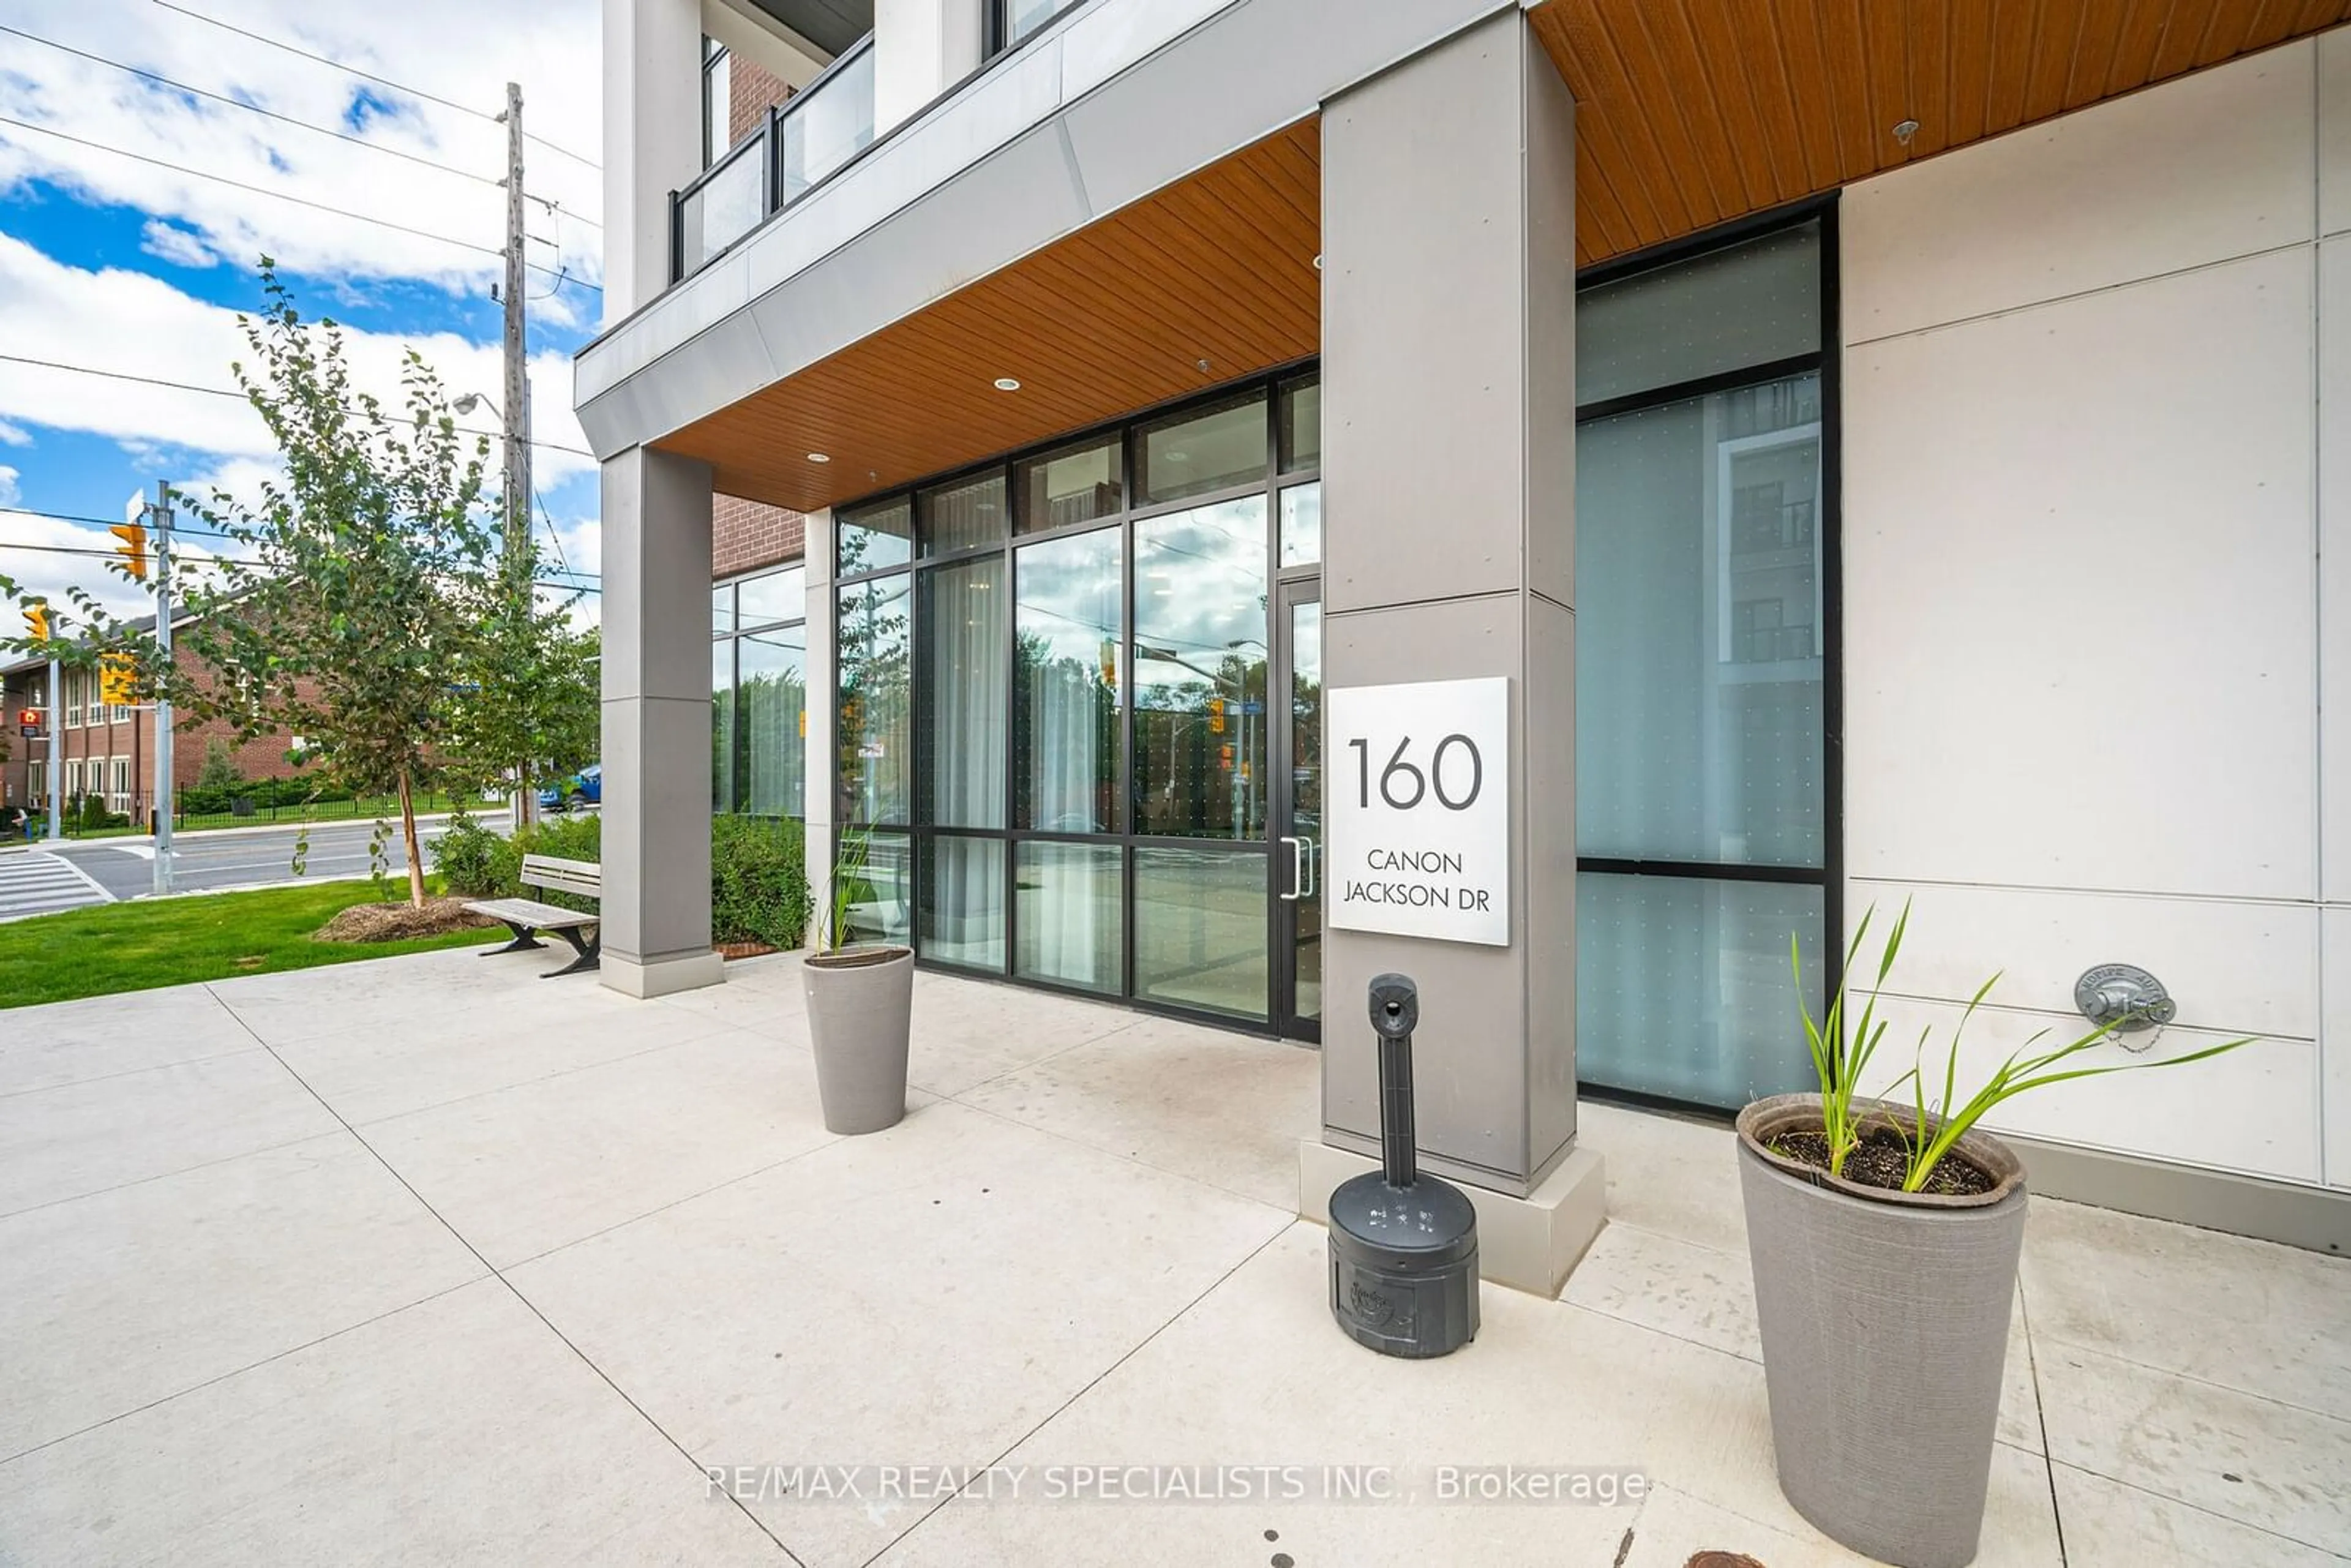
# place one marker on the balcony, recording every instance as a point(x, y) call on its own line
point(824, 126)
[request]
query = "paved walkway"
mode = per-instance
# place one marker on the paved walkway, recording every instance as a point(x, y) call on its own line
point(426, 1259)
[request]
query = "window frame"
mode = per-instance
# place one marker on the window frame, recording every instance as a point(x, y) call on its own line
point(736, 631)
point(1270, 484)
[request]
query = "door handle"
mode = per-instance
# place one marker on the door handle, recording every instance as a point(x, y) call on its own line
point(1297, 870)
point(1313, 854)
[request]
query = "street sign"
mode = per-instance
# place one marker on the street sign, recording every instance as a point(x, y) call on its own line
point(31, 731)
point(1418, 798)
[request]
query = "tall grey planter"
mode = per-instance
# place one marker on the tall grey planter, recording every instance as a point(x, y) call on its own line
point(1885, 1324)
point(861, 1003)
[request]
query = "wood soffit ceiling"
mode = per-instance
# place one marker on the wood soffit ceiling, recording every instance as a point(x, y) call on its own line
point(1116, 317)
point(1689, 113)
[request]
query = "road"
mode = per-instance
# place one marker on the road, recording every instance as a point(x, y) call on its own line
point(34, 881)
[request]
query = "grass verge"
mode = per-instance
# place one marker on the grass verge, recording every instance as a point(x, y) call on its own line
point(145, 943)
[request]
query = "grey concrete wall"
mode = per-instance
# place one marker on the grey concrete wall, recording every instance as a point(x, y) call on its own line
point(1449, 488)
point(656, 677)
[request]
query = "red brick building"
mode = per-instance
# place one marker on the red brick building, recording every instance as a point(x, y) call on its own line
point(110, 750)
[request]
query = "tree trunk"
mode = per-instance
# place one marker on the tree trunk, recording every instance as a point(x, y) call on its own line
point(408, 832)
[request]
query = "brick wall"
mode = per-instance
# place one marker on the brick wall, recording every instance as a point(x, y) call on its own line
point(751, 92)
point(747, 535)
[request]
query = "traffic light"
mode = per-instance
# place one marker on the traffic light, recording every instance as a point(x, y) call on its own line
point(36, 622)
point(133, 547)
point(116, 680)
point(1215, 715)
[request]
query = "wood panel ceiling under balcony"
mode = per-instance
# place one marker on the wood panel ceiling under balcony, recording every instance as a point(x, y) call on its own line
point(1691, 112)
point(1203, 282)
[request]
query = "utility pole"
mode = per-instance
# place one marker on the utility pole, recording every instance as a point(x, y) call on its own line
point(161, 515)
point(55, 714)
point(513, 410)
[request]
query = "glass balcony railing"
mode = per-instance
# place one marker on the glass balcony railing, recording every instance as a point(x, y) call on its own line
point(825, 125)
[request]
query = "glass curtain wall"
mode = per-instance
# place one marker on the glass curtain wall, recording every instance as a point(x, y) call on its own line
point(1704, 663)
point(758, 695)
point(1075, 643)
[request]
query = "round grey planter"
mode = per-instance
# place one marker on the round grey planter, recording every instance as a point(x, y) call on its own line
point(1885, 1325)
point(860, 1004)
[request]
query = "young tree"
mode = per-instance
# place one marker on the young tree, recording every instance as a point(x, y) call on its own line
point(527, 701)
point(343, 601)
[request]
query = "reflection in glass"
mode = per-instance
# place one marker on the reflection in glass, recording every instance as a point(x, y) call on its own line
point(1067, 897)
point(873, 538)
point(775, 596)
point(771, 701)
point(1306, 804)
point(1301, 525)
point(728, 204)
point(1022, 17)
point(722, 608)
point(827, 125)
point(1192, 453)
point(1745, 304)
point(1699, 667)
point(963, 516)
point(1302, 424)
point(1200, 669)
point(961, 891)
point(873, 727)
point(1075, 484)
point(881, 895)
point(1065, 684)
point(1199, 929)
point(722, 725)
point(962, 610)
point(1683, 987)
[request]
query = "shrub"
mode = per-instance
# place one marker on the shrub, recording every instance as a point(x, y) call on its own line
point(566, 838)
point(219, 771)
point(758, 880)
point(475, 862)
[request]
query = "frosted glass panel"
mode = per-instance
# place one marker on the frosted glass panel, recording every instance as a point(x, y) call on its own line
point(1698, 631)
point(1067, 897)
point(1747, 305)
point(1683, 987)
point(961, 892)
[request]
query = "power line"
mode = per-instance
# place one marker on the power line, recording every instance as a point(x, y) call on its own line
point(240, 397)
point(184, 530)
point(195, 563)
point(266, 191)
point(311, 125)
point(370, 76)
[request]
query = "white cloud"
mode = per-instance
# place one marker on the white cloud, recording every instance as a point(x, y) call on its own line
point(14, 435)
point(9, 492)
point(115, 319)
point(45, 573)
point(167, 243)
point(551, 47)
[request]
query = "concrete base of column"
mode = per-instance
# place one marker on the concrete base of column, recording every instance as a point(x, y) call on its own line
point(689, 972)
point(1530, 1243)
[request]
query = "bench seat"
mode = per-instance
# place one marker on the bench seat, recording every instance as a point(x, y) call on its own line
point(525, 915)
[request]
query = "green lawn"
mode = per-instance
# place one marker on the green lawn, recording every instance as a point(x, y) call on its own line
point(144, 943)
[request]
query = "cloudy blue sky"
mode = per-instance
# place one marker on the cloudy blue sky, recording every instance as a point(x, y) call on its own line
point(114, 264)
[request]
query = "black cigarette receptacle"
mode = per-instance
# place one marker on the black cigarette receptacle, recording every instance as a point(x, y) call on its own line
point(1404, 1246)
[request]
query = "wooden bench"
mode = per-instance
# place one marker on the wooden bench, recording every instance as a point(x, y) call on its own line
point(524, 915)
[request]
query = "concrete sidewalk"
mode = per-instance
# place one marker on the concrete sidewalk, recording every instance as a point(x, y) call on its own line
point(423, 1260)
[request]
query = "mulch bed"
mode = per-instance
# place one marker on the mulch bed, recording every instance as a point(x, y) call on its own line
point(398, 922)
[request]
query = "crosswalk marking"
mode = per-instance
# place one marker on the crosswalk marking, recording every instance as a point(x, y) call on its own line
point(33, 881)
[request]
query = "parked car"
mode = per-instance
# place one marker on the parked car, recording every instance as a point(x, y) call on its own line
point(585, 787)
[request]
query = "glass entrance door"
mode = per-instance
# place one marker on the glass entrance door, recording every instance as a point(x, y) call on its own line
point(1298, 811)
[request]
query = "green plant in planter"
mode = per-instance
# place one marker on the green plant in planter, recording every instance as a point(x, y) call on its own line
point(1936, 1126)
point(853, 888)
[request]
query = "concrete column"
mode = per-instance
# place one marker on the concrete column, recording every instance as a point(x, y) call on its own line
point(656, 901)
point(921, 49)
point(1448, 464)
point(653, 140)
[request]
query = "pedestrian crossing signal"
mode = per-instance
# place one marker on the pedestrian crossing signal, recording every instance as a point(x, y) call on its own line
point(115, 680)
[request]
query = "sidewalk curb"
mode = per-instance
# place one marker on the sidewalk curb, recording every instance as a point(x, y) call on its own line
point(177, 834)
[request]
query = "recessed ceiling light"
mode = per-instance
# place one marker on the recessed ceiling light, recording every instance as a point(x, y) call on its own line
point(1318, 261)
point(820, 456)
point(1006, 383)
